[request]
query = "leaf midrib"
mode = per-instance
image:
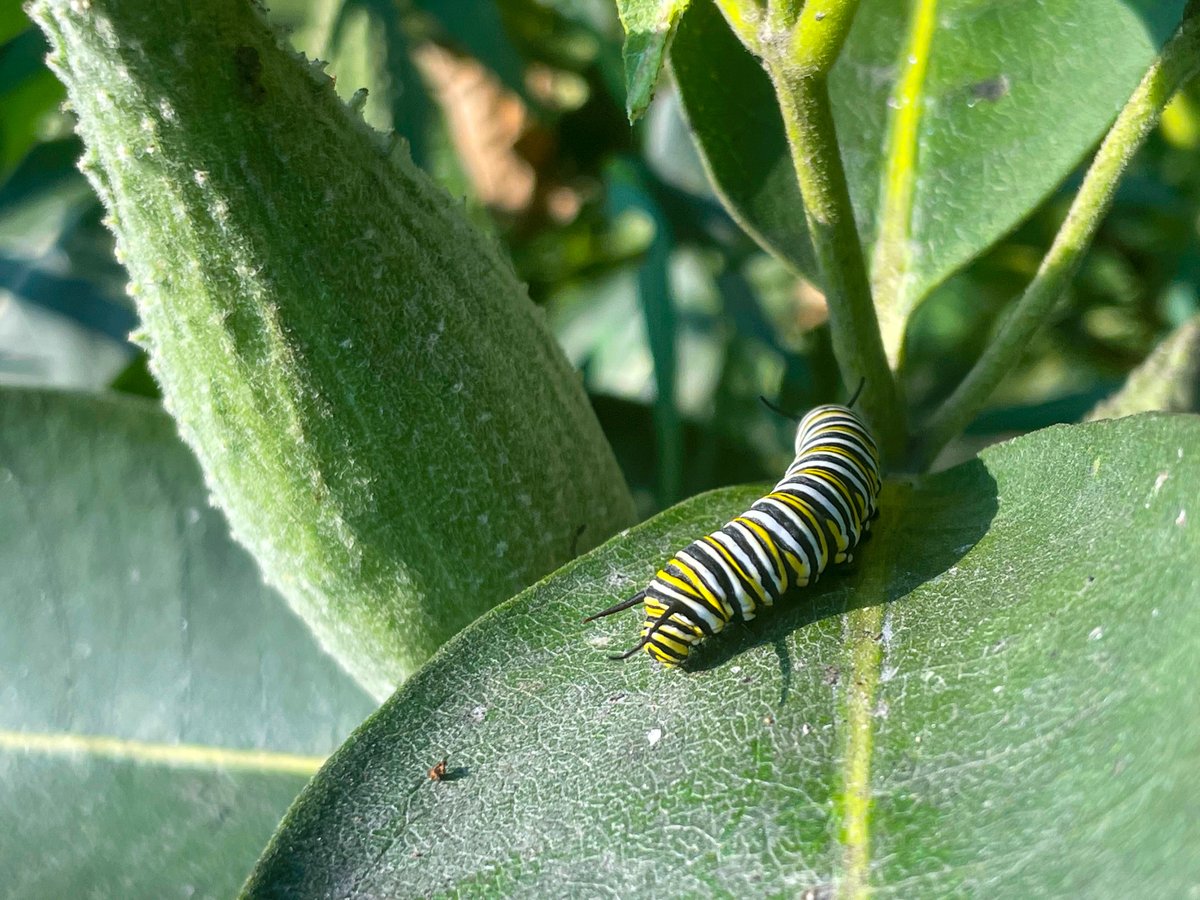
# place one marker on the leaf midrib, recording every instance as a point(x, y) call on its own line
point(892, 260)
point(864, 646)
point(149, 753)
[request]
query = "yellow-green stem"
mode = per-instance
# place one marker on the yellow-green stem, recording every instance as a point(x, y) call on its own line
point(812, 138)
point(1178, 62)
point(890, 266)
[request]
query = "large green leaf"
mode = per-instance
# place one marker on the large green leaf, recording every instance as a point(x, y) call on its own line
point(999, 701)
point(954, 119)
point(735, 121)
point(160, 706)
point(378, 406)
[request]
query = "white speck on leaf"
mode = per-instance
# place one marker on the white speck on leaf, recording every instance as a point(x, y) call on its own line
point(1181, 519)
point(654, 735)
point(1096, 633)
point(478, 713)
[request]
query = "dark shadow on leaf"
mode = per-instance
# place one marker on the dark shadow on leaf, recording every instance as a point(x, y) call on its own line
point(924, 529)
point(785, 670)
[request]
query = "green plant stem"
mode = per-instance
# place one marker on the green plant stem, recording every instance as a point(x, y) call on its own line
point(745, 20)
point(818, 37)
point(1178, 62)
point(799, 67)
point(803, 94)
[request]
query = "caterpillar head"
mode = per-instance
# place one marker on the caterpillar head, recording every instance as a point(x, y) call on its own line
point(817, 416)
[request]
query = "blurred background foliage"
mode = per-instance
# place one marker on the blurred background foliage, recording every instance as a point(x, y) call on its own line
point(677, 320)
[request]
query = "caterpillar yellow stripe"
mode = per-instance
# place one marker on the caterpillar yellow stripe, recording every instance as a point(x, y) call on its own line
point(816, 515)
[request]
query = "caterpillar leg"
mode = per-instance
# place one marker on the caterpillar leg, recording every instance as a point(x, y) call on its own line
point(632, 650)
point(616, 608)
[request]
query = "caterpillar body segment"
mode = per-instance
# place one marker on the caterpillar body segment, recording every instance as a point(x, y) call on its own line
point(816, 515)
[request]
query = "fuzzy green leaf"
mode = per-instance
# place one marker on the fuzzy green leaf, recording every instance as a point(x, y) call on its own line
point(998, 701)
point(955, 118)
point(161, 706)
point(376, 404)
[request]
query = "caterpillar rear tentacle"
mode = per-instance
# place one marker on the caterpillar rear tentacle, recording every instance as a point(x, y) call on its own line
point(816, 515)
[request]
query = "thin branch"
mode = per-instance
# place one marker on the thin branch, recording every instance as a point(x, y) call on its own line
point(1178, 62)
point(800, 75)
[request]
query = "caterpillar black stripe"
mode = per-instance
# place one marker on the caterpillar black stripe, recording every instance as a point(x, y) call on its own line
point(816, 514)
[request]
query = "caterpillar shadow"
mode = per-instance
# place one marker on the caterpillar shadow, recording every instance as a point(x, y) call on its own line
point(926, 526)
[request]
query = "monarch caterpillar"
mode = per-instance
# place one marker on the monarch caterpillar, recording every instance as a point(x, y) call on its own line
point(818, 512)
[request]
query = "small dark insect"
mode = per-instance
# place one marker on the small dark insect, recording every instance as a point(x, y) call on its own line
point(990, 90)
point(248, 65)
point(438, 772)
point(814, 517)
